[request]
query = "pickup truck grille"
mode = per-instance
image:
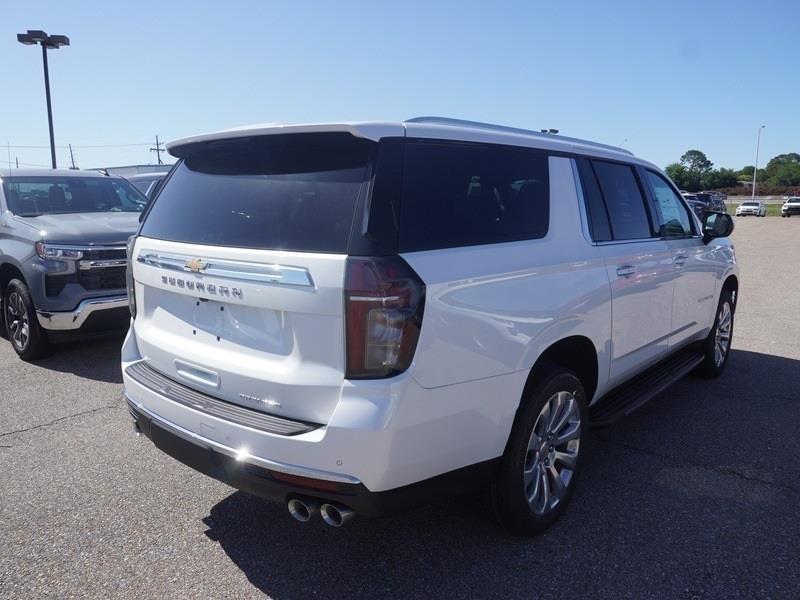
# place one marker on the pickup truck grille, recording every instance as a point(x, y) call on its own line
point(109, 278)
point(104, 254)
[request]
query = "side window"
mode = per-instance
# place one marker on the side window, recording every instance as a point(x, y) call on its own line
point(624, 201)
point(464, 194)
point(595, 207)
point(673, 220)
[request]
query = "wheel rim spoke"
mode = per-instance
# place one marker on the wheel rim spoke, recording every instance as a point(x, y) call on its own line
point(567, 459)
point(572, 432)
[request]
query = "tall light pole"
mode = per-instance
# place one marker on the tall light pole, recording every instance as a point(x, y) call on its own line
point(755, 169)
point(46, 41)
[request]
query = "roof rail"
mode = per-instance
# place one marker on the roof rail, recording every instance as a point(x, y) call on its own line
point(479, 125)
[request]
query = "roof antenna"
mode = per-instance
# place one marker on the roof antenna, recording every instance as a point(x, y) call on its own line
point(553, 131)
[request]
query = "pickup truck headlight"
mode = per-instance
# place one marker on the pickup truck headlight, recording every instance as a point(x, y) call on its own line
point(52, 252)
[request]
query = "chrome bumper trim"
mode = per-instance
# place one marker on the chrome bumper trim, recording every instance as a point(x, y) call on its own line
point(74, 319)
point(237, 454)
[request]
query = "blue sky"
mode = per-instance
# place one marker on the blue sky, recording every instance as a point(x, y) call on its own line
point(665, 76)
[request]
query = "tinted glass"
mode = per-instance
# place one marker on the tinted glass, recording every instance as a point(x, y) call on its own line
point(283, 194)
point(141, 184)
point(460, 195)
point(624, 201)
point(596, 210)
point(34, 196)
point(673, 219)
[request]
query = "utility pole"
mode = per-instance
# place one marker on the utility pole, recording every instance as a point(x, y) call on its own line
point(755, 169)
point(72, 157)
point(16, 158)
point(158, 150)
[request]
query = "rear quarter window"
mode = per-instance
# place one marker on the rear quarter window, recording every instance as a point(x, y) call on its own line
point(467, 194)
point(624, 200)
point(295, 193)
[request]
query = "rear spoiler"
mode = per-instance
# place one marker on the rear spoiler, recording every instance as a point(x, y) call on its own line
point(370, 131)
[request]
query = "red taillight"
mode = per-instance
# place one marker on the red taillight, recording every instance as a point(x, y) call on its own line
point(383, 299)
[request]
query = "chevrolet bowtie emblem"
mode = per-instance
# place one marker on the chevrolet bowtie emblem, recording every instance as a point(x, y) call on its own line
point(195, 265)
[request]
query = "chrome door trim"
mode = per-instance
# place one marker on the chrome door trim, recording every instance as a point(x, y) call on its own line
point(228, 269)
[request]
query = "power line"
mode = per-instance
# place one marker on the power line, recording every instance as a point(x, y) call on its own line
point(83, 147)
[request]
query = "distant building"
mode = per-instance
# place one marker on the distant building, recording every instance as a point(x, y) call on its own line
point(129, 170)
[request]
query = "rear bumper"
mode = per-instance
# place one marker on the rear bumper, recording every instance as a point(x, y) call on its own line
point(384, 435)
point(280, 481)
point(75, 319)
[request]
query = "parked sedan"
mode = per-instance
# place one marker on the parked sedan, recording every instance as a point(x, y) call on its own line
point(791, 207)
point(751, 207)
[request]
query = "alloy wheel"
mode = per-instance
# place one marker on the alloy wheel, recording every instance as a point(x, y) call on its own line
point(552, 452)
point(723, 336)
point(18, 323)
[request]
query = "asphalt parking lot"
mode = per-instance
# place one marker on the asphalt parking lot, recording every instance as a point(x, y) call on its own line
point(695, 495)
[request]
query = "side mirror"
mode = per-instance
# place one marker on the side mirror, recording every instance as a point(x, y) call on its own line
point(716, 225)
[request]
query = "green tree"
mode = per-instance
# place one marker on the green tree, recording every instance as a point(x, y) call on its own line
point(696, 161)
point(783, 170)
point(696, 168)
point(677, 172)
point(721, 178)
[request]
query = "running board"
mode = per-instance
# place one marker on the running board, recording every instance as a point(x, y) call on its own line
point(634, 394)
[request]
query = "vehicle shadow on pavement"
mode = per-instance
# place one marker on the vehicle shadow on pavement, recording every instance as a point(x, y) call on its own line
point(668, 497)
point(90, 359)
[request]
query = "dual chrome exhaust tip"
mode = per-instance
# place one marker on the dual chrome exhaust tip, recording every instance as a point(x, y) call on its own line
point(333, 514)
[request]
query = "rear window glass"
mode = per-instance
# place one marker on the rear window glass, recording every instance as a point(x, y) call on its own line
point(460, 195)
point(624, 201)
point(282, 192)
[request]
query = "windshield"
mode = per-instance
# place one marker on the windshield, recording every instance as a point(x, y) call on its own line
point(749, 203)
point(35, 196)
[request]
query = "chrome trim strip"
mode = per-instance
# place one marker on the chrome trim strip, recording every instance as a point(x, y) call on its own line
point(658, 340)
point(86, 265)
point(122, 248)
point(249, 458)
point(229, 269)
point(74, 319)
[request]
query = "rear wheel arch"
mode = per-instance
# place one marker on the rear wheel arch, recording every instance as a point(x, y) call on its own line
point(576, 353)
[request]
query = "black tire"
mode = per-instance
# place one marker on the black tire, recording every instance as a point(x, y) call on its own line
point(17, 299)
point(508, 493)
point(711, 366)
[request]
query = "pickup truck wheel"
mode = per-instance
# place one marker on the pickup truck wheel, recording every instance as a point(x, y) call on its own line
point(537, 475)
point(718, 343)
point(27, 337)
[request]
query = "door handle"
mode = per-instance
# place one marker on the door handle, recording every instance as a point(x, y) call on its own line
point(681, 259)
point(626, 270)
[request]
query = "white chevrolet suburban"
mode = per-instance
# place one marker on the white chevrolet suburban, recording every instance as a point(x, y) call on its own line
point(356, 318)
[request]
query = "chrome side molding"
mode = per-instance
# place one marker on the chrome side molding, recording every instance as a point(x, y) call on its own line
point(228, 269)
